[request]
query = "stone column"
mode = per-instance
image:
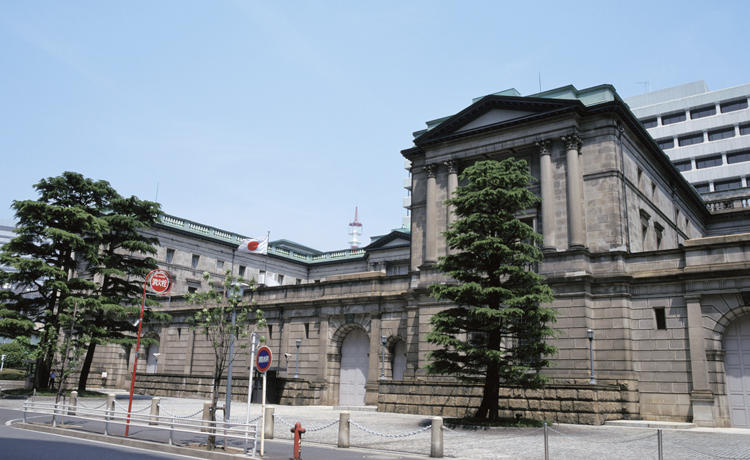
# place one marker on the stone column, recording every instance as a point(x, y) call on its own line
point(701, 396)
point(323, 349)
point(548, 195)
point(373, 372)
point(431, 216)
point(574, 179)
point(452, 186)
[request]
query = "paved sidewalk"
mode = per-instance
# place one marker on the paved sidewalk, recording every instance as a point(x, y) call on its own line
point(565, 441)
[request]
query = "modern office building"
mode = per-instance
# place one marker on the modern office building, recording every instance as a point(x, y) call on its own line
point(705, 133)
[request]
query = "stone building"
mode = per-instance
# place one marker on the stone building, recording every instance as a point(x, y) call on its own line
point(632, 253)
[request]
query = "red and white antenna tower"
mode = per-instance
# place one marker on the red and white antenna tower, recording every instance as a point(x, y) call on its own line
point(355, 230)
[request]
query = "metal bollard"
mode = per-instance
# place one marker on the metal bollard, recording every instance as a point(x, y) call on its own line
point(25, 408)
point(171, 431)
point(206, 425)
point(73, 407)
point(344, 429)
point(660, 444)
point(546, 442)
point(436, 441)
point(268, 428)
point(154, 420)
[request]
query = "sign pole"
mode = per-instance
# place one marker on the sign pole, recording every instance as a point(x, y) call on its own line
point(263, 416)
point(253, 338)
point(161, 285)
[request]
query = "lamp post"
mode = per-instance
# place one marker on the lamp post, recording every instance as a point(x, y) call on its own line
point(383, 339)
point(590, 334)
point(296, 369)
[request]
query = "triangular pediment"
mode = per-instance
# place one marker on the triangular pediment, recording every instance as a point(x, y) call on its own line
point(494, 116)
point(397, 238)
point(495, 111)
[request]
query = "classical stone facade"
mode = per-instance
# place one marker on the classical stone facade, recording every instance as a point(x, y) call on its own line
point(631, 251)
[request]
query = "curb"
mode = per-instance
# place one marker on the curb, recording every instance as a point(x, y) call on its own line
point(146, 445)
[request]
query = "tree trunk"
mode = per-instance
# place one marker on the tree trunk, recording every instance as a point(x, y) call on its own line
point(212, 412)
point(86, 367)
point(489, 407)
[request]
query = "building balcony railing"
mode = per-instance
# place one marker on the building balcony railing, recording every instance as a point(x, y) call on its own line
point(727, 200)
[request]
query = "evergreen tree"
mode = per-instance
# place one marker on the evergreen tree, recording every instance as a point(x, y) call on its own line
point(79, 244)
point(124, 261)
point(56, 234)
point(497, 330)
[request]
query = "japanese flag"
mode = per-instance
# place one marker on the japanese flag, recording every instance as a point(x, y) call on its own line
point(253, 246)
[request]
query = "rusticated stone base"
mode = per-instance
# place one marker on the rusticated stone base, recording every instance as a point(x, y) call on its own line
point(584, 404)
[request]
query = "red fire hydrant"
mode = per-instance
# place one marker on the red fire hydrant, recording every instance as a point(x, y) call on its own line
point(297, 430)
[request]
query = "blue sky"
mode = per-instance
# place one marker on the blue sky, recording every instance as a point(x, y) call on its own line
point(282, 116)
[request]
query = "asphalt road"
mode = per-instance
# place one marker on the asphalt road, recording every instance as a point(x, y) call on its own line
point(16, 443)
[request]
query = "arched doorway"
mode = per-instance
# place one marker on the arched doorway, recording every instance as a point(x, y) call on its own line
point(354, 365)
point(398, 360)
point(737, 369)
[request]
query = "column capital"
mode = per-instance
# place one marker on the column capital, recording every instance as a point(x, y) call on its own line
point(431, 169)
point(452, 166)
point(544, 147)
point(572, 141)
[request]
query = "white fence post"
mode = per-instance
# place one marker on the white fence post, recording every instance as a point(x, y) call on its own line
point(73, 403)
point(154, 420)
point(436, 441)
point(344, 429)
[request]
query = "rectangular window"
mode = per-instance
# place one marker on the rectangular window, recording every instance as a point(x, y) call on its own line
point(170, 255)
point(730, 184)
point(745, 129)
point(219, 265)
point(731, 106)
point(665, 144)
point(649, 123)
point(192, 289)
point(661, 318)
point(701, 112)
point(262, 277)
point(672, 118)
point(738, 157)
point(708, 162)
point(721, 133)
point(690, 139)
point(242, 271)
point(702, 188)
point(298, 281)
point(194, 262)
point(281, 279)
point(684, 165)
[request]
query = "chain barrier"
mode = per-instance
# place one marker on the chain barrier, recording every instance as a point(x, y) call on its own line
point(170, 414)
point(390, 435)
point(321, 427)
point(132, 411)
point(241, 420)
point(284, 421)
point(621, 441)
point(82, 406)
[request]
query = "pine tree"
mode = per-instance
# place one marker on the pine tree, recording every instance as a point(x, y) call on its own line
point(56, 234)
point(124, 261)
point(497, 330)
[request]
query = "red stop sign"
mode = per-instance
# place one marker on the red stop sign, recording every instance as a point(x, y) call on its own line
point(160, 282)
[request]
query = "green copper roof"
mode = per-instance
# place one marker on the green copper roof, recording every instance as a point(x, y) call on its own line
point(285, 249)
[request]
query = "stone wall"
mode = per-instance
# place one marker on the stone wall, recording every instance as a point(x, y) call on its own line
point(580, 403)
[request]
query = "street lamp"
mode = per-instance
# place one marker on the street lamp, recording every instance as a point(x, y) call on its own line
point(590, 334)
point(383, 339)
point(296, 369)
